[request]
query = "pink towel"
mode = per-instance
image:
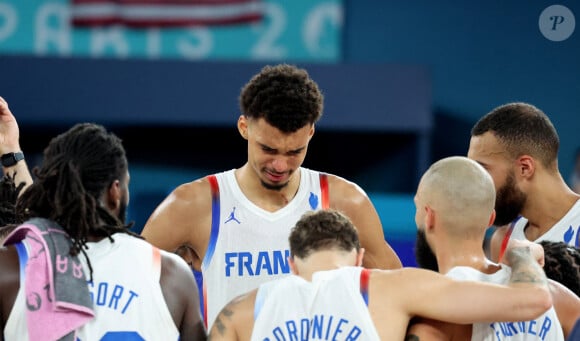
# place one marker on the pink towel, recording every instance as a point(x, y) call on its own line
point(57, 295)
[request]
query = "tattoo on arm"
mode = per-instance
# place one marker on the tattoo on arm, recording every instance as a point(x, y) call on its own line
point(525, 269)
point(219, 324)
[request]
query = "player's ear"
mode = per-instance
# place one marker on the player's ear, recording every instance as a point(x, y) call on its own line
point(113, 195)
point(526, 166)
point(429, 218)
point(491, 218)
point(292, 264)
point(243, 126)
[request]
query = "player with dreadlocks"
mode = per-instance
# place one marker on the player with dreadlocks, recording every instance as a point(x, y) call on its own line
point(8, 194)
point(79, 167)
point(562, 264)
point(74, 233)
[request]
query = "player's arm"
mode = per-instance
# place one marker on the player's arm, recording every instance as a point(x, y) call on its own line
point(435, 296)
point(182, 297)
point(236, 320)
point(9, 283)
point(566, 304)
point(10, 143)
point(182, 221)
point(421, 329)
point(351, 200)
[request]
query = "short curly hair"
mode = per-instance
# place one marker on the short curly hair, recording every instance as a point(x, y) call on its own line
point(562, 264)
point(284, 95)
point(326, 229)
point(522, 129)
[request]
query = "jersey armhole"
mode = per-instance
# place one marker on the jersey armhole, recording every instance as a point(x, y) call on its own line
point(364, 285)
point(22, 259)
point(324, 190)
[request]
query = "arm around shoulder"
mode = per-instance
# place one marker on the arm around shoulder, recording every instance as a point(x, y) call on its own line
point(432, 295)
point(432, 330)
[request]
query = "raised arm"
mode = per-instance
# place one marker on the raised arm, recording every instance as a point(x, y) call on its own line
point(10, 143)
point(351, 200)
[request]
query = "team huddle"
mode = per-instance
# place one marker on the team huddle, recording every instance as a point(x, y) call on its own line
point(284, 252)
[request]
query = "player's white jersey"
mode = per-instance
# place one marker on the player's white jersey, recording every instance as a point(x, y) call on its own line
point(249, 245)
point(565, 230)
point(331, 307)
point(126, 294)
point(545, 328)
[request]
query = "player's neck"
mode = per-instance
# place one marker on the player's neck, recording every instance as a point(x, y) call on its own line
point(465, 254)
point(544, 209)
point(323, 261)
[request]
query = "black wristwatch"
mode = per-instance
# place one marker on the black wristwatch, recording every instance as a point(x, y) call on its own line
point(10, 159)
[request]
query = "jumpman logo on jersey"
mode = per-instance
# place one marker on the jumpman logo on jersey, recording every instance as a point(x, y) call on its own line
point(232, 217)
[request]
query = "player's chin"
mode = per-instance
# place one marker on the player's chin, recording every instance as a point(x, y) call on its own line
point(274, 185)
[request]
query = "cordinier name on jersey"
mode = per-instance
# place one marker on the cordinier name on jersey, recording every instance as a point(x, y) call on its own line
point(319, 327)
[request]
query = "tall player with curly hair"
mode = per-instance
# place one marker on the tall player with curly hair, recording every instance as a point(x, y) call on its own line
point(233, 226)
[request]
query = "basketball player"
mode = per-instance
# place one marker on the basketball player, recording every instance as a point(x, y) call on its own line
point(562, 264)
point(330, 297)
point(518, 145)
point(74, 232)
point(234, 226)
point(454, 203)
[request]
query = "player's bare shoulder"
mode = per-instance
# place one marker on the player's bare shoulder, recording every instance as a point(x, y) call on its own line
point(196, 193)
point(186, 201)
point(182, 218)
point(344, 193)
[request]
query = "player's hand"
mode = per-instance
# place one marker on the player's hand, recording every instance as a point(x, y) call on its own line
point(9, 132)
point(535, 249)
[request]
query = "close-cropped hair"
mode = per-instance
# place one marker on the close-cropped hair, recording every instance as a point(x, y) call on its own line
point(522, 129)
point(562, 264)
point(323, 230)
point(284, 95)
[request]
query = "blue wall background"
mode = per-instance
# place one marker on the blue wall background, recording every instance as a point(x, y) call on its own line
point(481, 54)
